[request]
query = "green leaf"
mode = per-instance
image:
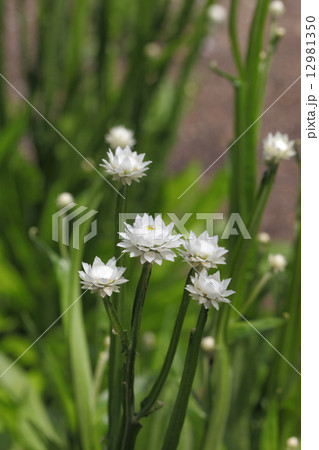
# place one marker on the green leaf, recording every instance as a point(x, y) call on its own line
point(241, 330)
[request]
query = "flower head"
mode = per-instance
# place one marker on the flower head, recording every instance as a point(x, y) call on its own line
point(209, 290)
point(203, 250)
point(276, 8)
point(120, 137)
point(150, 239)
point(277, 262)
point(125, 165)
point(217, 14)
point(102, 278)
point(277, 147)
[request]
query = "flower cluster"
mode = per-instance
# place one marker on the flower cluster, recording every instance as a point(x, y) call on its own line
point(150, 239)
point(203, 252)
point(278, 147)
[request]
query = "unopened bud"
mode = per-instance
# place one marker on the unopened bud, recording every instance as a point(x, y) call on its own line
point(276, 8)
point(217, 14)
point(208, 344)
point(263, 238)
point(292, 443)
point(64, 199)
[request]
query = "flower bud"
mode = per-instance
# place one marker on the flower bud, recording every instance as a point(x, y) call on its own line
point(64, 199)
point(217, 14)
point(276, 8)
point(263, 238)
point(208, 344)
point(280, 32)
point(292, 443)
point(120, 137)
point(277, 262)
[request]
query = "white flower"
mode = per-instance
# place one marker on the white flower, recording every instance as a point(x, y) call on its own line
point(209, 290)
point(277, 262)
point(208, 344)
point(203, 250)
point(276, 8)
point(125, 165)
point(150, 239)
point(278, 147)
point(217, 14)
point(120, 137)
point(64, 199)
point(263, 238)
point(102, 278)
point(292, 443)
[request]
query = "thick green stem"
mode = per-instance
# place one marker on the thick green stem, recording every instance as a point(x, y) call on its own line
point(150, 400)
point(130, 425)
point(115, 372)
point(179, 411)
point(215, 427)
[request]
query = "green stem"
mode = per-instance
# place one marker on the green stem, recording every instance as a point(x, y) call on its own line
point(222, 73)
point(120, 208)
point(115, 372)
point(130, 426)
point(179, 411)
point(255, 292)
point(239, 259)
point(215, 427)
point(149, 401)
point(234, 36)
point(116, 324)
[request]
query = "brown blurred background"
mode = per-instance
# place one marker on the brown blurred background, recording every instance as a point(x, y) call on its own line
point(207, 129)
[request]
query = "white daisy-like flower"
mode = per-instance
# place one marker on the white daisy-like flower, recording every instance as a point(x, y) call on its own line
point(203, 250)
point(125, 165)
point(102, 278)
point(277, 147)
point(276, 8)
point(217, 14)
point(277, 262)
point(209, 290)
point(120, 137)
point(150, 239)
